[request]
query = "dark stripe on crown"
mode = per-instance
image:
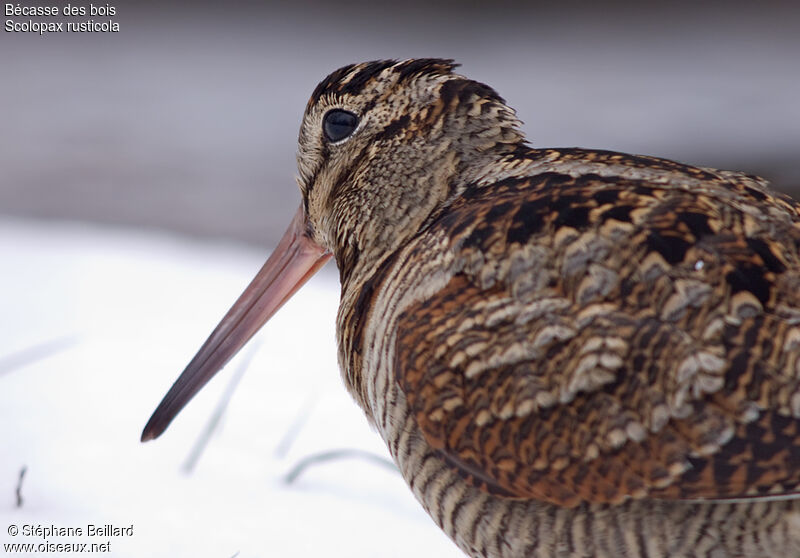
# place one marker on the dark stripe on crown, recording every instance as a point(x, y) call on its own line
point(369, 70)
point(327, 83)
point(425, 66)
point(465, 89)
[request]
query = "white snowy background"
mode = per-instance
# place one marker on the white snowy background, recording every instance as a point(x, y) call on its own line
point(97, 323)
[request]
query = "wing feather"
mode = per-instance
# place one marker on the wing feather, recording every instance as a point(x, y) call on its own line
point(603, 340)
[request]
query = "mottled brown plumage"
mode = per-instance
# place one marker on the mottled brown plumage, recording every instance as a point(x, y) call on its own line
point(569, 352)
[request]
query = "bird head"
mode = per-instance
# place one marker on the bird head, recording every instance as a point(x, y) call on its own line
point(383, 147)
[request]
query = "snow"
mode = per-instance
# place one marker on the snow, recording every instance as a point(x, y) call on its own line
point(96, 325)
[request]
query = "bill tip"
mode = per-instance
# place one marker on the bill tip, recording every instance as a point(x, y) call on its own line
point(150, 433)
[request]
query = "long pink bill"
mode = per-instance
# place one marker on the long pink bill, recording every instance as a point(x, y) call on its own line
point(292, 263)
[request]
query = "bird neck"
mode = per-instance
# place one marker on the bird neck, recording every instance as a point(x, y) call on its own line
point(371, 252)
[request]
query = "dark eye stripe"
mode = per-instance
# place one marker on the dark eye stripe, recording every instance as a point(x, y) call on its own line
point(338, 124)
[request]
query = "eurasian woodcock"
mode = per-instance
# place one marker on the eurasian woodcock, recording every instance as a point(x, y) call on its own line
point(569, 352)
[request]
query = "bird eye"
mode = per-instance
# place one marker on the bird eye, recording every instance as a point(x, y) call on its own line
point(338, 124)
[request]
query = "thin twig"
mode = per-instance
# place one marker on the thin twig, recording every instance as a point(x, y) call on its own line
point(219, 411)
point(322, 457)
point(19, 485)
point(291, 434)
point(37, 352)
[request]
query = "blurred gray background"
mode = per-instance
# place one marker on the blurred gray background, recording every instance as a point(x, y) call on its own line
point(186, 120)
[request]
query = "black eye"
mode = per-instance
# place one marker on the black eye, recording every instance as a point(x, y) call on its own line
point(338, 124)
